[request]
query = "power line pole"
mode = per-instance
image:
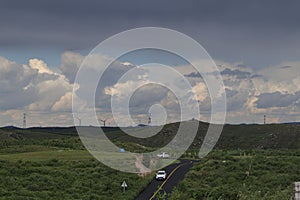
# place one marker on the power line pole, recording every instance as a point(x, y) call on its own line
point(24, 120)
point(149, 119)
point(264, 119)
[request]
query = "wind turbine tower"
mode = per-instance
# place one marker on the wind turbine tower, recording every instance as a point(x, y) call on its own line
point(104, 120)
point(79, 120)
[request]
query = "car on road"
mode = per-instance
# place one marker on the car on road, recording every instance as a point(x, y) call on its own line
point(163, 155)
point(161, 175)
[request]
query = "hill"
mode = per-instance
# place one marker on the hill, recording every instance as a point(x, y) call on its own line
point(269, 136)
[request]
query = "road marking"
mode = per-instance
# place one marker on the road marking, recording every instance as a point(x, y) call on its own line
point(160, 187)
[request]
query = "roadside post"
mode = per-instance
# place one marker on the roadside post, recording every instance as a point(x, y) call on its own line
point(124, 186)
point(296, 195)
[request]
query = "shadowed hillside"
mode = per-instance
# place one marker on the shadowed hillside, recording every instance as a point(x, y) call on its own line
point(270, 136)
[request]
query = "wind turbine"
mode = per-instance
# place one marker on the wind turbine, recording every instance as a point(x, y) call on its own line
point(103, 120)
point(79, 121)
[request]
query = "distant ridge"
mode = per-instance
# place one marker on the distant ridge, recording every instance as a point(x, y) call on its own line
point(139, 125)
point(296, 123)
point(243, 136)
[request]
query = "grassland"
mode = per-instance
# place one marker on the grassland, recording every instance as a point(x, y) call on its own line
point(65, 179)
point(249, 162)
point(246, 175)
point(49, 167)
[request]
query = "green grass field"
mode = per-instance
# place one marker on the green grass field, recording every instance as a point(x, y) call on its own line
point(63, 174)
point(43, 155)
point(59, 168)
point(246, 175)
point(249, 162)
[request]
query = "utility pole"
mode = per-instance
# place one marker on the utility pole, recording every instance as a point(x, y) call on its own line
point(24, 120)
point(264, 119)
point(149, 119)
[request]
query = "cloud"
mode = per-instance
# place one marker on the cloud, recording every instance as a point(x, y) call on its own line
point(286, 67)
point(237, 73)
point(281, 71)
point(193, 74)
point(32, 88)
point(15, 80)
point(272, 91)
point(246, 91)
point(70, 63)
point(143, 96)
point(42, 91)
point(64, 103)
point(200, 91)
point(225, 30)
point(277, 99)
point(49, 92)
point(147, 95)
point(122, 89)
point(40, 66)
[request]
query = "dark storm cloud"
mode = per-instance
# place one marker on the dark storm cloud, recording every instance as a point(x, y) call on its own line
point(237, 73)
point(286, 67)
point(251, 31)
point(74, 24)
point(193, 75)
point(69, 21)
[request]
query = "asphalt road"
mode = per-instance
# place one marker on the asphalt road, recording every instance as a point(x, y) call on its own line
point(175, 172)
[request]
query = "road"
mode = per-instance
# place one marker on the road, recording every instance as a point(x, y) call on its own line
point(176, 173)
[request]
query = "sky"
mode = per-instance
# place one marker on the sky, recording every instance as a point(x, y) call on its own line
point(254, 43)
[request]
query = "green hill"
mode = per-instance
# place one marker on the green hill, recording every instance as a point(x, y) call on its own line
point(270, 136)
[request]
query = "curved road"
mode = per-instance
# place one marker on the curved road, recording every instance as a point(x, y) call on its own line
point(175, 172)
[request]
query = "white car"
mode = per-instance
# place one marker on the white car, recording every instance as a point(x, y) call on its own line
point(163, 155)
point(161, 175)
